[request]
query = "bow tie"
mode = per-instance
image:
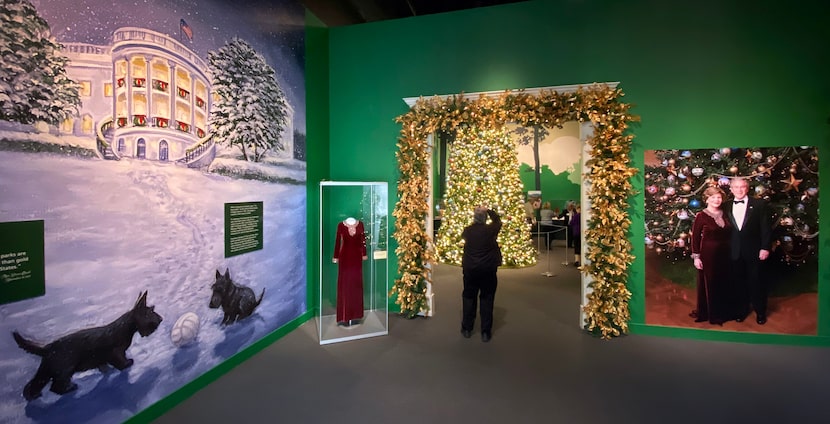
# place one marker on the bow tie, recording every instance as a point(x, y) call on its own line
point(737, 201)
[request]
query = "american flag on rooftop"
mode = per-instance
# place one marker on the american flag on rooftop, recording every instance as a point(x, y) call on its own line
point(185, 28)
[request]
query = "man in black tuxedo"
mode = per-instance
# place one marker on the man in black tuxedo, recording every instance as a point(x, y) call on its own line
point(751, 239)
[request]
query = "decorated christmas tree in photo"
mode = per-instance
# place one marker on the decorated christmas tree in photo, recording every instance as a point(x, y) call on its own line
point(785, 177)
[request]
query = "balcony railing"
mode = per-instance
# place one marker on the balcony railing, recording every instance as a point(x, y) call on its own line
point(130, 35)
point(122, 122)
point(140, 120)
point(139, 82)
point(200, 103)
point(182, 126)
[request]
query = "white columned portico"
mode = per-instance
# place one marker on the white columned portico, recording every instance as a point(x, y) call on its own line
point(586, 131)
point(430, 229)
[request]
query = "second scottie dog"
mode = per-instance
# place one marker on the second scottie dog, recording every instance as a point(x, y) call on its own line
point(237, 301)
point(88, 349)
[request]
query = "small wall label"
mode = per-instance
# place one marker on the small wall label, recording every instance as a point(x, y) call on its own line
point(243, 228)
point(22, 274)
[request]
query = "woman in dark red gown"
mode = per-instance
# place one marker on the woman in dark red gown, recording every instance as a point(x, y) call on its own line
point(349, 254)
point(710, 236)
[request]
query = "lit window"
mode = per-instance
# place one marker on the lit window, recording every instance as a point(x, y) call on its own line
point(107, 89)
point(66, 125)
point(86, 124)
point(86, 88)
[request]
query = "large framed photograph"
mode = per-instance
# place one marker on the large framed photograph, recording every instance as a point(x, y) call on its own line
point(732, 238)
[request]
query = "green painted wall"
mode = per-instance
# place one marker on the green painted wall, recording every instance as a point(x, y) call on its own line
point(701, 74)
point(556, 188)
point(317, 142)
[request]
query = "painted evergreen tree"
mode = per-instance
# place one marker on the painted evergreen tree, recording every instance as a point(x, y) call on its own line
point(250, 111)
point(786, 177)
point(34, 86)
point(533, 136)
point(484, 169)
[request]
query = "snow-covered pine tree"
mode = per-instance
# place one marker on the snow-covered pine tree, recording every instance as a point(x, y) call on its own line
point(34, 86)
point(250, 111)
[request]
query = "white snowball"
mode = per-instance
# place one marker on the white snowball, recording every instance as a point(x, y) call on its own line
point(185, 329)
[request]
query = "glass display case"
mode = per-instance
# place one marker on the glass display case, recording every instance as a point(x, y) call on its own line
point(354, 232)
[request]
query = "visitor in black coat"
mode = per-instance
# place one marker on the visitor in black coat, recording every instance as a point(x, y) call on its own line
point(482, 258)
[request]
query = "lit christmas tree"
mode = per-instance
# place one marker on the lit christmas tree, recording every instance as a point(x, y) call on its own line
point(786, 177)
point(484, 169)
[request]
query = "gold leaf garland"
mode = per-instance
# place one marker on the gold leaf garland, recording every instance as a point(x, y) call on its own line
point(608, 248)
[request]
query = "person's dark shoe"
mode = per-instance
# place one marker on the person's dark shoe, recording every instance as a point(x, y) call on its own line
point(485, 336)
point(761, 319)
point(466, 333)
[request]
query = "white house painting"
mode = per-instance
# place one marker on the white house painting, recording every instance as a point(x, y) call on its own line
point(129, 159)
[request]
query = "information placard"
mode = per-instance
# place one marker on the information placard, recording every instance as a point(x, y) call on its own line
point(22, 273)
point(243, 228)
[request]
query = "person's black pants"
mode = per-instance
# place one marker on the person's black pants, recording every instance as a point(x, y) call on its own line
point(749, 276)
point(481, 283)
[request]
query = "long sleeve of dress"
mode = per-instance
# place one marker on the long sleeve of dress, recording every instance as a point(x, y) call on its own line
point(697, 235)
point(338, 241)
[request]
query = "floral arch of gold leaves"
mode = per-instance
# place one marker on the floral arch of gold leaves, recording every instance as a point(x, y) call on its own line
point(608, 248)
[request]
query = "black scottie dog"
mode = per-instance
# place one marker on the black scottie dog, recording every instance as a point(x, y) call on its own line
point(88, 349)
point(237, 301)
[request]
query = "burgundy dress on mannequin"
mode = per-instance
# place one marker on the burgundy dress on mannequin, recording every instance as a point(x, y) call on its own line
point(349, 253)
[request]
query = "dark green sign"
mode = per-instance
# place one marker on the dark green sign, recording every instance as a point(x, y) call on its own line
point(243, 228)
point(21, 261)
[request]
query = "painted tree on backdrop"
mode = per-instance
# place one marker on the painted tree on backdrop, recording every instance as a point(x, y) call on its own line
point(250, 111)
point(533, 136)
point(34, 86)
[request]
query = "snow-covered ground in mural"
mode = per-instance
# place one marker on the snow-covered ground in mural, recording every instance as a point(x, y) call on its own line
point(116, 228)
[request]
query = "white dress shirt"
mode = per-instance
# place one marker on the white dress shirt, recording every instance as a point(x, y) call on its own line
point(739, 211)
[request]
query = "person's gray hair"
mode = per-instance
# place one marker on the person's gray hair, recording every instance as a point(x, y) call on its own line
point(480, 216)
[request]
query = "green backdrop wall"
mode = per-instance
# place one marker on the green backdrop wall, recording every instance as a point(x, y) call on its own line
point(701, 74)
point(317, 146)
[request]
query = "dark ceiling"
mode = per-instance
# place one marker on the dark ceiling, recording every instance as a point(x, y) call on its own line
point(349, 12)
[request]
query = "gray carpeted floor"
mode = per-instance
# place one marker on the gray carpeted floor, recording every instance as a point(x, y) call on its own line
point(539, 368)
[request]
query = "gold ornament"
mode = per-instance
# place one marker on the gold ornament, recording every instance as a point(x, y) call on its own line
point(791, 184)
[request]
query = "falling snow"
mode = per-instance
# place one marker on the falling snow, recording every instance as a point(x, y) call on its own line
point(218, 21)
